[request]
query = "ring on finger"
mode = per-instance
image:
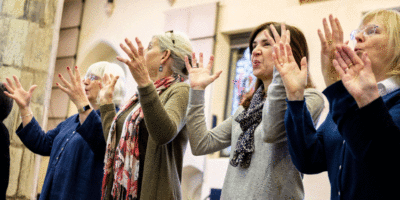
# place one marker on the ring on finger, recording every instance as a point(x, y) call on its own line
point(330, 42)
point(345, 70)
point(350, 65)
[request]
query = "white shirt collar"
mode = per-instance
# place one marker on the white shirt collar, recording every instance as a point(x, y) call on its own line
point(388, 85)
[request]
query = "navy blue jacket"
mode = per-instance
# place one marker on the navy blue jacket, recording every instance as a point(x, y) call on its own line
point(75, 169)
point(358, 147)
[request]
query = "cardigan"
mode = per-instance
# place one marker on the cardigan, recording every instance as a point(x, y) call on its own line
point(165, 140)
point(356, 146)
point(271, 174)
point(76, 153)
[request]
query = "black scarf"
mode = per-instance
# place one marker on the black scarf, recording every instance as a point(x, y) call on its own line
point(249, 119)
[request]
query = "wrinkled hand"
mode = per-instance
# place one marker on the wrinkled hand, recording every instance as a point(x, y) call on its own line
point(356, 74)
point(107, 92)
point(137, 63)
point(74, 90)
point(328, 44)
point(16, 92)
point(294, 78)
point(200, 77)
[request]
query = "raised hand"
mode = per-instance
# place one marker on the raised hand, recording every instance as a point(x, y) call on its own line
point(74, 90)
point(284, 37)
point(137, 63)
point(294, 78)
point(356, 74)
point(106, 93)
point(199, 77)
point(328, 44)
point(16, 92)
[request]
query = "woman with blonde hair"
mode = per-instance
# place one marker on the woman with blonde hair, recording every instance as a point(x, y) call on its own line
point(76, 146)
point(147, 138)
point(358, 142)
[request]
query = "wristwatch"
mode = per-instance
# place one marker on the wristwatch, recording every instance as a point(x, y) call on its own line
point(84, 108)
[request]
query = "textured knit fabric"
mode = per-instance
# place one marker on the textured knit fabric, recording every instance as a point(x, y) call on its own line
point(358, 147)
point(5, 159)
point(164, 122)
point(76, 153)
point(271, 174)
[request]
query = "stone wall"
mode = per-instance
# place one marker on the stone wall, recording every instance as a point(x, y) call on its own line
point(26, 36)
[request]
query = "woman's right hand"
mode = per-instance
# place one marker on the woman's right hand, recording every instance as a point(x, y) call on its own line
point(107, 92)
point(328, 45)
point(199, 77)
point(21, 97)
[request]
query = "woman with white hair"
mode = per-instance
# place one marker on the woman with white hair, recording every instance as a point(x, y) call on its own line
point(76, 146)
point(147, 138)
point(358, 142)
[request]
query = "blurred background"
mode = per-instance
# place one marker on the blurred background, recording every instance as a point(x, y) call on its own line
point(40, 38)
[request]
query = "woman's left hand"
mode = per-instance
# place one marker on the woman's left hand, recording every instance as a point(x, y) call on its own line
point(356, 74)
point(137, 63)
point(74, 90)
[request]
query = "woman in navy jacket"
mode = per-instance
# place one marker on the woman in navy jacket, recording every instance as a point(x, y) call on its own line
point(76, 146)
point(358, 143)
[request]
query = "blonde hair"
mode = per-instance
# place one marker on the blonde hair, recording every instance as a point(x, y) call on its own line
point(103, 67)
point(391, 20)
point(179, 45)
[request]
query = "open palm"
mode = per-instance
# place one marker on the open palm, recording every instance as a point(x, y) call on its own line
point(107, 91)
point(16, 92)
point(200, 77)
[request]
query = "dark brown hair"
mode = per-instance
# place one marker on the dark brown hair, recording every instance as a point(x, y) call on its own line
point(299, 48)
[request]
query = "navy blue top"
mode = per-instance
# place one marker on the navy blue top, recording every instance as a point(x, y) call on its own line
point(75, 169)
point(358, 147)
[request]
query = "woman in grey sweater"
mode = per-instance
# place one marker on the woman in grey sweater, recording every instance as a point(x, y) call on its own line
point(260, 164)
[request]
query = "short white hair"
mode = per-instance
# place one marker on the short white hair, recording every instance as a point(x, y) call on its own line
point(179, 45)
point(103, 67)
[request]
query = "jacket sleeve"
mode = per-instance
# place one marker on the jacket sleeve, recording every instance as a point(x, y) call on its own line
point(164, 122)
point(92, 132)
point(371, 132)
point(275, 108)
point(35, 139)
point(107, 114)
point(201, 140)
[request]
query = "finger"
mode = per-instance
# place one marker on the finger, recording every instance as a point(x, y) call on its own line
point(275, 33)
point(194, 60)
point(210, 63)
point(288, 37)
point(201, 60)
point(9, 95)
point(347, 42)
point(127, 51)
point(124, 60)
point(328, 35)
point(106, 79)
point(283, 33)
point(278, 54)
point(282, 52)
point(344, 56)
point(17, 83)
point(71, 76)
point(303, 64)
point(10, 84)
point(334, 28)
point(338, 68)
point(277, 64)
point(269, 38)
point(9, 89)
point(132, 47)
point(31, 89)
point(290, 54)
point(216, 75)
point(65, 82)
point(114, 81)
point(339, 28)
point(77, 74)
point(324, 43)
point(353, 58)
point(187, 64)
point(62, 88)
point(140, 47)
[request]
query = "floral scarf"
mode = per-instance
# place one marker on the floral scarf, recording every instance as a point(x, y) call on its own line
point(249, 119)
point(124, 160)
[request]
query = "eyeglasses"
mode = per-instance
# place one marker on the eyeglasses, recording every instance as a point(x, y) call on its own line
point(172, 36)
point(91, 77)
point(367, 31)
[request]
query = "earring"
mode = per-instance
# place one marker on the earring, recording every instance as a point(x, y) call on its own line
point(160, 68)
